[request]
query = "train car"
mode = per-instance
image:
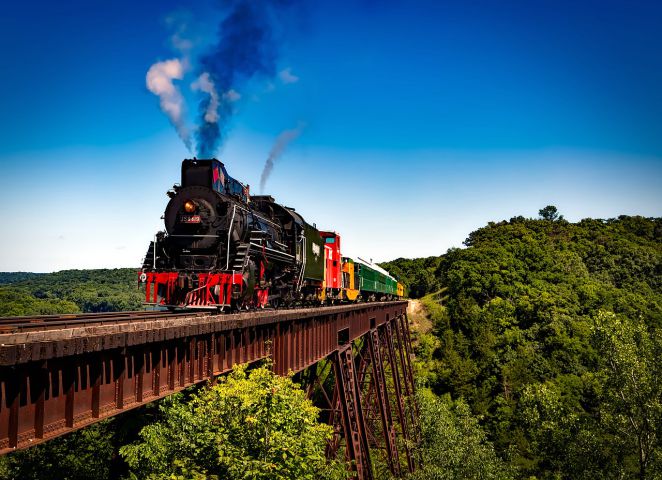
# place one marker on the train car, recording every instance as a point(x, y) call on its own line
point(351, 282)
point(333, 278)
point(400, 290)
point(375, 283)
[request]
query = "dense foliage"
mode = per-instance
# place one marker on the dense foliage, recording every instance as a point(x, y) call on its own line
point(13, 277)
point(16, 302)
point(418, 274)
point(83, 455)
point(453, 443)
point(550, 331)
point(70, 291)
point(253, 425)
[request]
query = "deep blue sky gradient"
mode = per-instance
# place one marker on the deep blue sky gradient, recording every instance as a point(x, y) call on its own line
point(437, 116)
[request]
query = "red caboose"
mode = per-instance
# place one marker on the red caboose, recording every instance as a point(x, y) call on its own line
point(333, 265)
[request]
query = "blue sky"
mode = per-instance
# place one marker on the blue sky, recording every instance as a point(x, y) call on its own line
point(424, 120)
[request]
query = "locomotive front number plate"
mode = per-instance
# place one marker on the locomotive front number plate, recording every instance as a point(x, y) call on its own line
point(189, 218)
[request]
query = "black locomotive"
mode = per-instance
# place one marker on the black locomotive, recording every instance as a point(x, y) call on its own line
point(223, 248)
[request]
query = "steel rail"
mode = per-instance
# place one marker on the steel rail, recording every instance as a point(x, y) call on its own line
point(64, 316)
point(56, 322)
point(59, 321)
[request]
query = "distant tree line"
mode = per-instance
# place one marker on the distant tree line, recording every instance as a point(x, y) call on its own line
point(69, 291)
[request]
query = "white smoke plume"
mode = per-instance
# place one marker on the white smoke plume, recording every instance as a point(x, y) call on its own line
point(159, 81)
point(281, 143)
point(205, 84)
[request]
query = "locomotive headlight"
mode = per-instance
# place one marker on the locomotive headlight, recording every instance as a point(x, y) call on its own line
point(189, 206)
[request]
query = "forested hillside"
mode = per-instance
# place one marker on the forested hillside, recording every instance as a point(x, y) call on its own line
point(13, 277)
point(552, 333)
point(69, 291)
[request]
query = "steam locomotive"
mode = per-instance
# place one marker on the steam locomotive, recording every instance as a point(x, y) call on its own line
point(223, 248)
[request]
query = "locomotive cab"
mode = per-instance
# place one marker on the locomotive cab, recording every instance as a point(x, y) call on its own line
point(212, 174)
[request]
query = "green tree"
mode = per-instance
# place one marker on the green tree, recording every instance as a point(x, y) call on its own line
point(453, 443)
point(251, 425)
point(82, 455)
point(631, 368)
point(514, 338)
point(70, 291)
point(16, 302)
point(550, 213)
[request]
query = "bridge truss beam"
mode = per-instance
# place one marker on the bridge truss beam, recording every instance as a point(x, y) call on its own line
point(56, 381)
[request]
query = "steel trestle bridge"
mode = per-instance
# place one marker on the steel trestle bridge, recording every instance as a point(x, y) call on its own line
point(61, 373)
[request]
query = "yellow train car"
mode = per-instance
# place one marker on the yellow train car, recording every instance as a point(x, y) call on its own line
point(400, 290)
point(350, 280)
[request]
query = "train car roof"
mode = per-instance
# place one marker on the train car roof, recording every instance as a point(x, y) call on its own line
point(374, 266)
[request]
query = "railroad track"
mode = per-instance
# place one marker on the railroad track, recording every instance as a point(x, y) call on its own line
point(55, 322)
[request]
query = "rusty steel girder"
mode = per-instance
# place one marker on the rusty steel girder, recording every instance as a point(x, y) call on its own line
point(358, 393)
point(55, 381)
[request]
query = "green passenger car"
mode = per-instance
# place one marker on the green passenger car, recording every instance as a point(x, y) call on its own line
point(375, 280)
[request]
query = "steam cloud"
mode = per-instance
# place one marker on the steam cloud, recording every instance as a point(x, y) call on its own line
point(159, 81)
point(205, 84)
point(246, 48)
point(281, 143)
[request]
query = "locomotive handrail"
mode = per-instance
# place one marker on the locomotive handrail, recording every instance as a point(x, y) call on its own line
point(271, 249)
point(227, 263)
point(303, 261)
point(258, 216)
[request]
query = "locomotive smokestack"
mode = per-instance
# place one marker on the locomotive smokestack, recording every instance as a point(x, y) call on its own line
point(281, 143)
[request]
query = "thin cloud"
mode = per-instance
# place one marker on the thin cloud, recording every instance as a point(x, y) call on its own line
point(286, 76)
point(232, 95)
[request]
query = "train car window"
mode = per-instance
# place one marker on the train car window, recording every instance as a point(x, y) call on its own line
point(330, 240)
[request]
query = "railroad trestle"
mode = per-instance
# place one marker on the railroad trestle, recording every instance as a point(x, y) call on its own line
point(354, 361)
